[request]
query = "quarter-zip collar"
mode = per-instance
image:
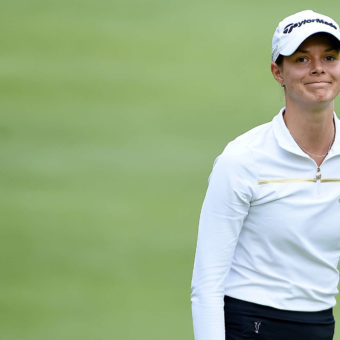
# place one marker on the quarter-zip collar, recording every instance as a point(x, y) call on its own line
point(287, 142)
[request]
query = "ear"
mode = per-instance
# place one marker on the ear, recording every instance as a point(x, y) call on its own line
point(277, 73)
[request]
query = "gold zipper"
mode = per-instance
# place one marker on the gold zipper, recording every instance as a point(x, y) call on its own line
point(318, 175)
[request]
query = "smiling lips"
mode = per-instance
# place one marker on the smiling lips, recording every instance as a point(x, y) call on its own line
point(321, 82)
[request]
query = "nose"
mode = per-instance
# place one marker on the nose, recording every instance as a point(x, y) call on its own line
point(317, 67)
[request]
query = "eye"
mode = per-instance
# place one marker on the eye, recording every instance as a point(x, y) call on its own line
point(330, 58)
point(302, 59)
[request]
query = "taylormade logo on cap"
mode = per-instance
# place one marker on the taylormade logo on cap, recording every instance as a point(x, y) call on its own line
point(290, 27)
point(293, 30)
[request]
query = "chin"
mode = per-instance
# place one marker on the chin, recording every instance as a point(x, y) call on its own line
point(322, 97)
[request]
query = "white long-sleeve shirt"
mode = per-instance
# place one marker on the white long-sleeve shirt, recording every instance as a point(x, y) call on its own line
point(269, 230)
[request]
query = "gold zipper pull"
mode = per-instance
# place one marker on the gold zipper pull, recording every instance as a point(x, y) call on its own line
point(318, 174)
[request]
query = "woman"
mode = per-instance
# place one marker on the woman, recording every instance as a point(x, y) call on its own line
point(269, 236)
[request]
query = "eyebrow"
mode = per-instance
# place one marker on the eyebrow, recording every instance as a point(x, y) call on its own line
point(327, 50)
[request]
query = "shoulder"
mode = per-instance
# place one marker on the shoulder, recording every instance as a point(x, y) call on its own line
point(243, 147)
point(238, 162)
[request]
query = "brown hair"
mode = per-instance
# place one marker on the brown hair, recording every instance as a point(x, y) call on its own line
point(279, 60)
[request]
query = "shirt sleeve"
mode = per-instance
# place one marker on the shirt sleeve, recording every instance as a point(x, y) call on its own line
point(225, 207)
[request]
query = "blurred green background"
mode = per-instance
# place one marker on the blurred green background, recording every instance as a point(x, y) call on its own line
point(112, 113)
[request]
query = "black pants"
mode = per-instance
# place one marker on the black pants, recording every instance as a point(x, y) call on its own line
point(245, 320)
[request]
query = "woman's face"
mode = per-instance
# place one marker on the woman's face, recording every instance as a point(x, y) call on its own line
point(312, 74)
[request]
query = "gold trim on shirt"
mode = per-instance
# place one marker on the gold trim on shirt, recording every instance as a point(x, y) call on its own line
point(288, 180)
point(297, 180)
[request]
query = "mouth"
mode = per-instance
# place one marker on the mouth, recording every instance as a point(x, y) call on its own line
point(318, 82)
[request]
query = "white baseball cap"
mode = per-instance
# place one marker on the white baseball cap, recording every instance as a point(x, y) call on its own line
point(293, 30)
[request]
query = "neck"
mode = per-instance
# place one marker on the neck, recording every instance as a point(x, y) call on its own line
point(312, 129)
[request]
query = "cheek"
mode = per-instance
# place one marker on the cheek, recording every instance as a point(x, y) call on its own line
point(338, 76)
point(336, 72)
point(293, 79)
point(337, 79)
